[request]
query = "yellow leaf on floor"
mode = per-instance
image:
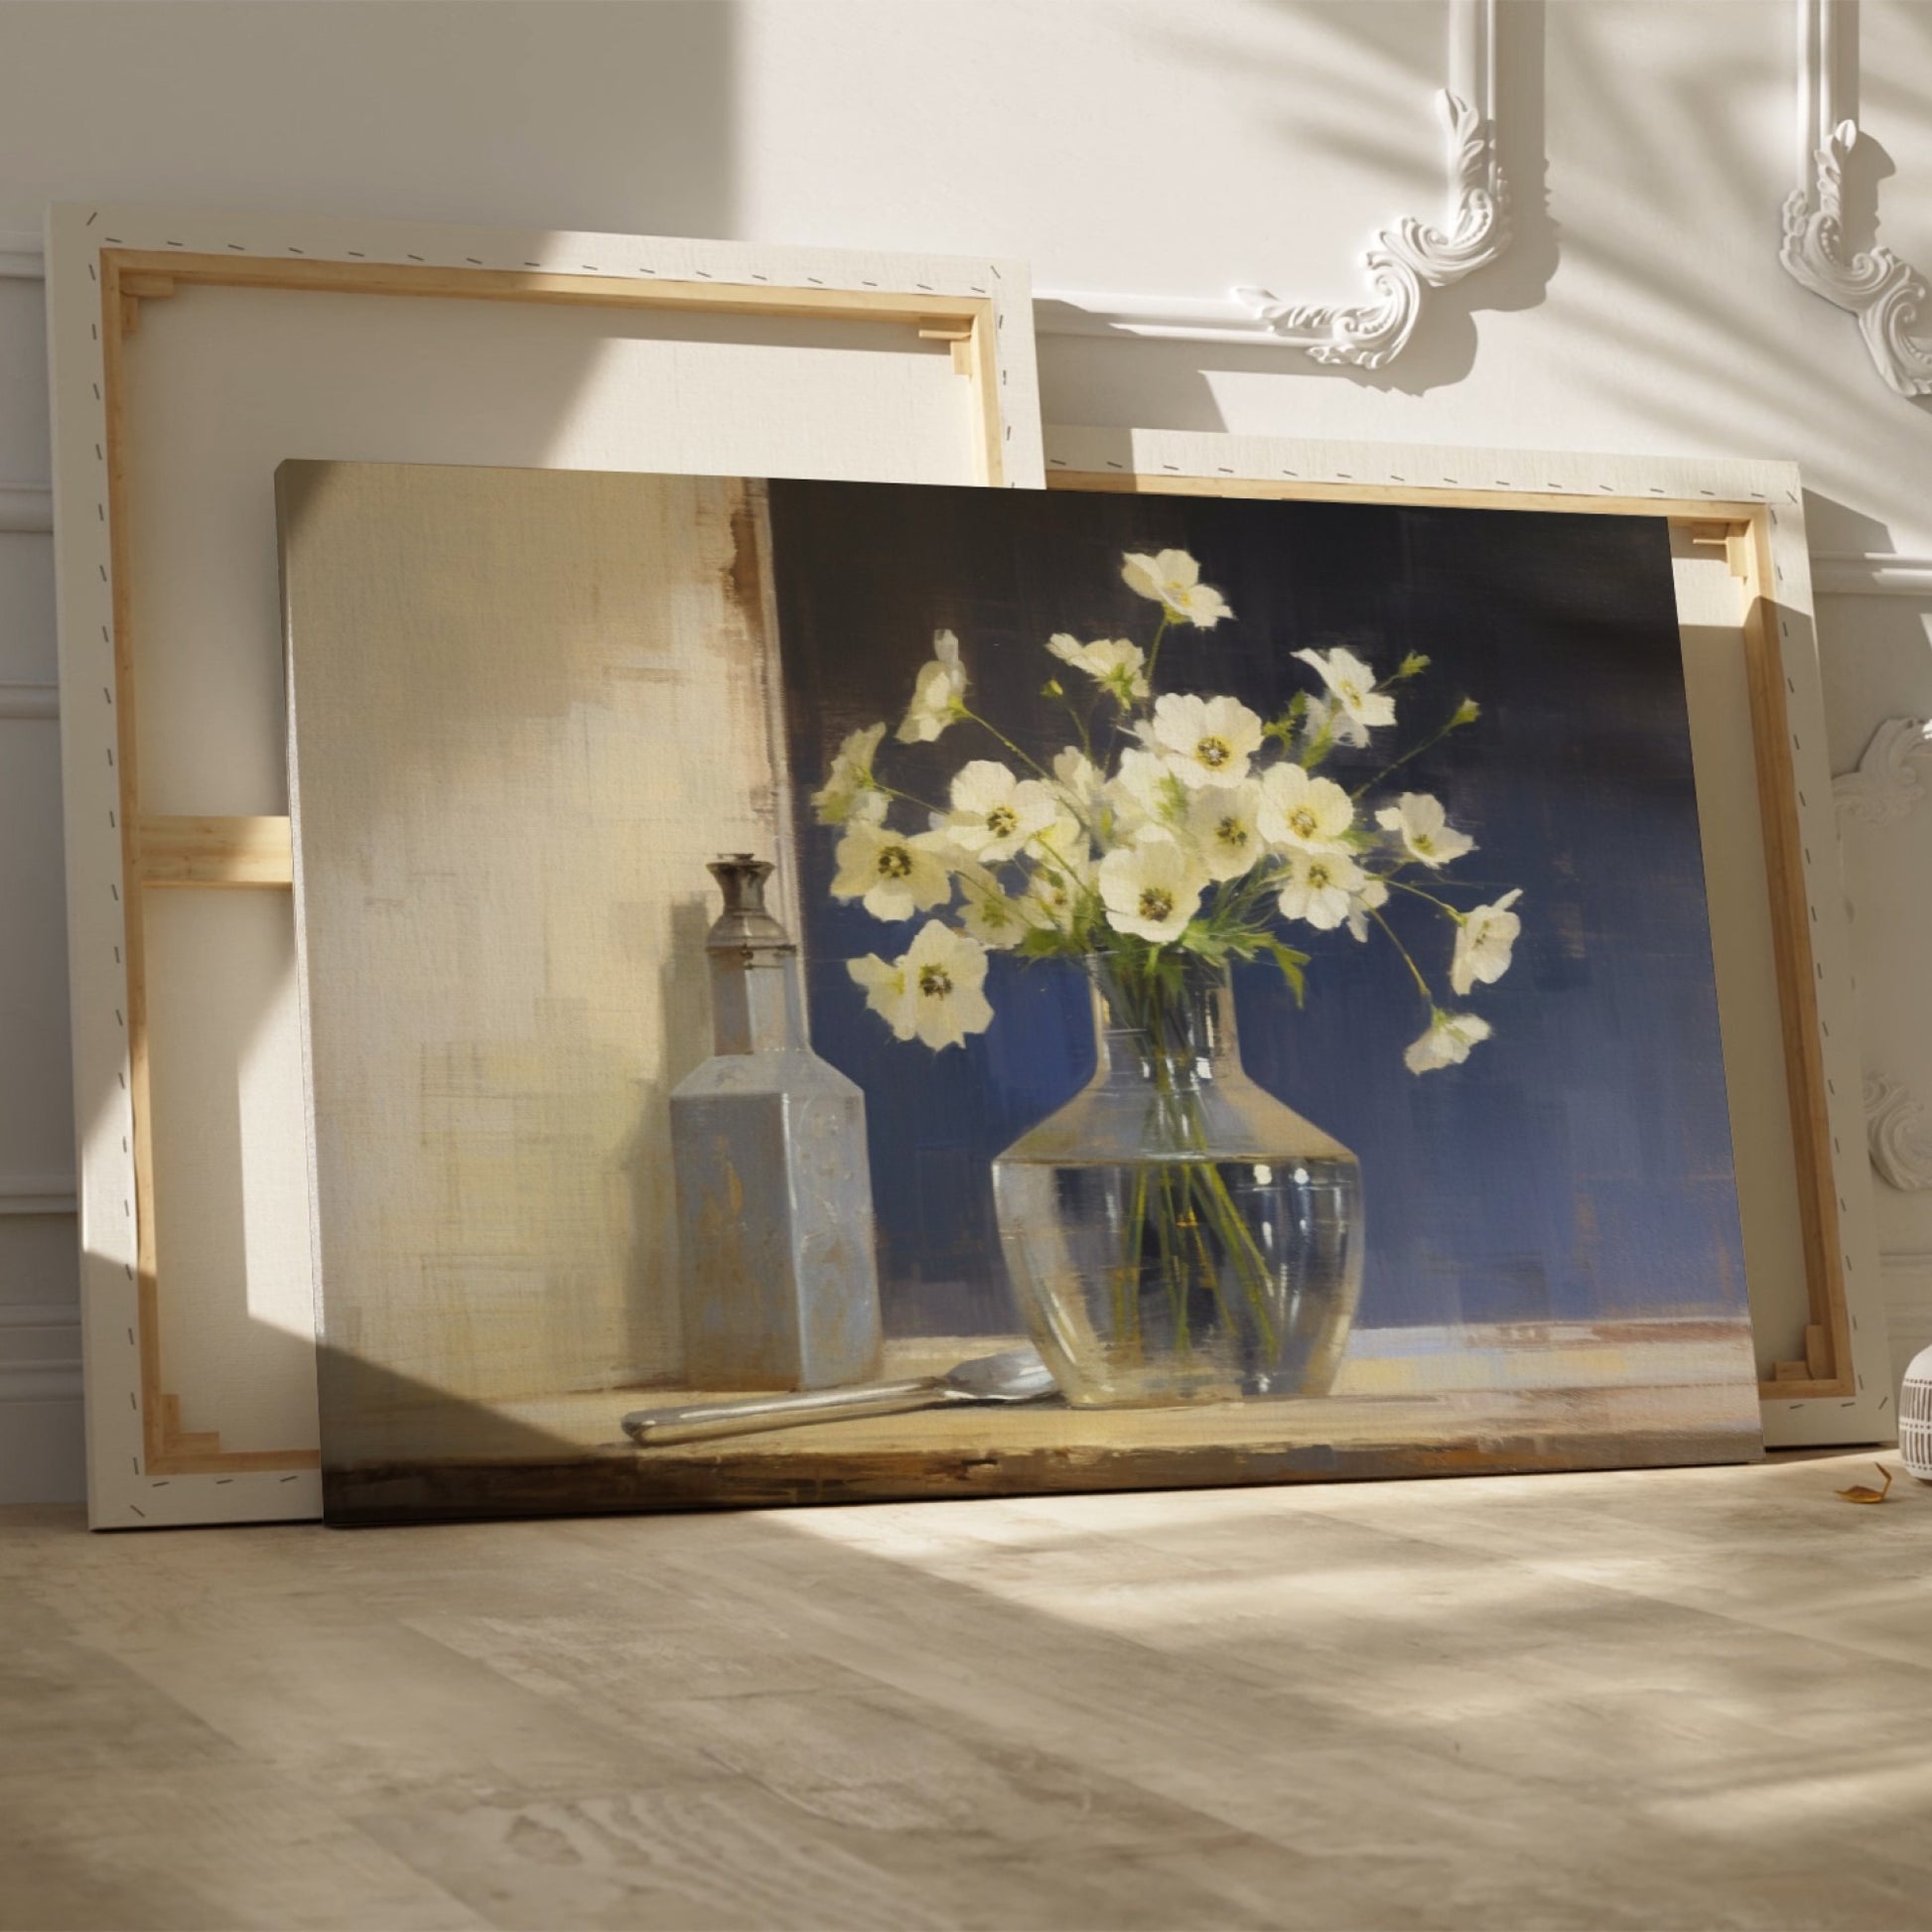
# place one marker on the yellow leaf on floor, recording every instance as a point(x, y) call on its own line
point(1861, 1492)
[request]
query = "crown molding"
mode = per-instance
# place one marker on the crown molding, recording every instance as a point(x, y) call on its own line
point(1886, 293)
point(1406, 262)
point(1886, 784)
point(1898, 1131)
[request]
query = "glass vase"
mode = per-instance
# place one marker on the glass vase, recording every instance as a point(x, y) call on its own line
point(1174, 1233)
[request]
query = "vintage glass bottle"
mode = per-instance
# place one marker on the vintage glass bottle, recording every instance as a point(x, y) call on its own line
point(1173, 1233)
point(778, 1279)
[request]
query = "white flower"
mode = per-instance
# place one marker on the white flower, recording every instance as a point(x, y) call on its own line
point(1320, 887)
point(1082, 788)
point(1352, 684)
point(1206, 741)
point(1150, 890)
point(894, 874)
point(1144, 799)
point(1221, 824)
point(1446, 1042)
point(1483, 943)
point(938, 693)
point(1171, 579)
point(850, 790)
point(934, 991)
point(1302, 812)
point(1423, 829)
point(1109, 661)
point(1369, 897)
point(1325, 717)
point(988, 912)
point(995, 812)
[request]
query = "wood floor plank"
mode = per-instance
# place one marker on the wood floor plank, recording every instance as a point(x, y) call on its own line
point(1650, 1698)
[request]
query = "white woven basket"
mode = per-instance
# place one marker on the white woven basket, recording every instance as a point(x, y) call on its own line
point(1915, 1417)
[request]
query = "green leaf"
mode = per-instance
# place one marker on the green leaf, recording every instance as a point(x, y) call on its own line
point(1283, 729)
point(1042, 942)
point(1290, 963)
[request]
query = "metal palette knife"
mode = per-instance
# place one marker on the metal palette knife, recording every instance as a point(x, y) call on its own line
point(1016, 1375)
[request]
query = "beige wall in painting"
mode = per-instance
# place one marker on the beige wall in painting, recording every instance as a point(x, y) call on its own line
point(527, 708)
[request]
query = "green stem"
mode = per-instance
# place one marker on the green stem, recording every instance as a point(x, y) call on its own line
point(1127, 1281)
point(906, 797)
point(1416, 892)
point(1193, 1208)
point(1153, 650)
point(1415, 750)
point(1415, 971)
point(1026, 758)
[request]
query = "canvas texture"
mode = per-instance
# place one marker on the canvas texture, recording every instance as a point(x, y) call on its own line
point(528, 708)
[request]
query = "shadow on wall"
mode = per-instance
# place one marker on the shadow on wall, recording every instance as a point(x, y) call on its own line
point(343, 110)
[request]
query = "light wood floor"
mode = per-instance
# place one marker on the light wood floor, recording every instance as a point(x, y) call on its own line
point(1679, 1698)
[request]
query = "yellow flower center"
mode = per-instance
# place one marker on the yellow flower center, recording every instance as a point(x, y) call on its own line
point(1319, 877)
point(1002, 821)
point(935, 982)
point(895, 862)
point(1214, 752)
point(1301, 822)
point(1156, 903)
point(1232, 832)
point(1351, 693)
point(1422, 841)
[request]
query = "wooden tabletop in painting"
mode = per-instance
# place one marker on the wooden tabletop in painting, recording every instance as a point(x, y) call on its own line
point(1408, 1402)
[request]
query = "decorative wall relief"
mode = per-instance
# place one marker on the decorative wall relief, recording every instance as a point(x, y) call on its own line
point(1898, 1131)
point(1882, 790)
point(1404, 261)
point(1887, 295)
point(1886, 784)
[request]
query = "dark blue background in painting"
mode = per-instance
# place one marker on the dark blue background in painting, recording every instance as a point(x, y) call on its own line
point(1578, 1163)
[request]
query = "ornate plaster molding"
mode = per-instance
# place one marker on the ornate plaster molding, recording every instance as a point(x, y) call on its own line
point(1886, 784)
point(1898, 1131)
point(1886, 294)
point(1406, 262)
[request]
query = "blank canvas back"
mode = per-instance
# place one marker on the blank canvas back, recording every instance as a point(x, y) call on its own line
point(526, 709)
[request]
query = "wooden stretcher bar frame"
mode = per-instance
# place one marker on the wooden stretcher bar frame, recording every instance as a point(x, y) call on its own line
point(103, 263)
point(1840, 1391)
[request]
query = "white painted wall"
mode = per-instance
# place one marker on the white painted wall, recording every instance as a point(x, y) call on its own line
point(1178, 146)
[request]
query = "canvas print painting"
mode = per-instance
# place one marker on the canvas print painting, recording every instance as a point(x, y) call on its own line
point(834, 990)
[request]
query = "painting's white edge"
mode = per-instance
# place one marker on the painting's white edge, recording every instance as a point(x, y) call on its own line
point(1886, 294)
point(1406, 262)
point(120, 1492)
point(1866, 1415)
